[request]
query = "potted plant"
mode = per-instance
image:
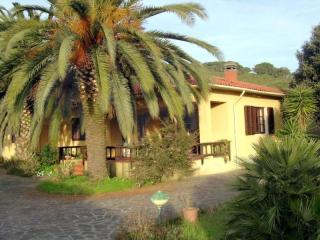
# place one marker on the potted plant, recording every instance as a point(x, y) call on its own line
point(189, 212)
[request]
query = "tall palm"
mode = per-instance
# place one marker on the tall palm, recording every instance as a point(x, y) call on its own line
point(7, 19)
point(98, 52)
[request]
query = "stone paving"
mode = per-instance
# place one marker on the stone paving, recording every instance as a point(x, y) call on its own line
point(27, 214)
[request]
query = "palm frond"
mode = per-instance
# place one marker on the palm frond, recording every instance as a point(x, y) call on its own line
point(210, 48)
point(138, 63)
point(186, 11)
point(122, 104)
point(64, 56)
point(104, 78)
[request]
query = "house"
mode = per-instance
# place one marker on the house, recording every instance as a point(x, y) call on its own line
point(234, 116)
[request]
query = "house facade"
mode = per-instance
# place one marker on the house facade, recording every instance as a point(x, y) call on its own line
point(234, 116)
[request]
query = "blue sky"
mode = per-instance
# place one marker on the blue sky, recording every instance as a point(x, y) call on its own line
point(247, 31)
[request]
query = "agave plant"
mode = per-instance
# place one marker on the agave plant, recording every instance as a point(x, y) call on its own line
point(279, 192)
point(300, 106)
point(97, 53)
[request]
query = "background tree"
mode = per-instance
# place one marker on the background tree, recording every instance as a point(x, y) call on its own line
point(218, 67)
point(268, 69)
point(98, 55)
point(264, 68)
point(277, 77)
point(308, 71)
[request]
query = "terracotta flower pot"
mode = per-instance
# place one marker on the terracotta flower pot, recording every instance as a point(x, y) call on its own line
point(190, 214)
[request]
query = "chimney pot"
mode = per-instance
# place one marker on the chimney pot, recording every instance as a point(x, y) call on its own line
point(230, 72)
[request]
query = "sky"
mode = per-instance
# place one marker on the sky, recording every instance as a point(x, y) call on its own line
point(246, 31)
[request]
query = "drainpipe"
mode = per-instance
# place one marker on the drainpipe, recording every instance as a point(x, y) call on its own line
point(234, 124)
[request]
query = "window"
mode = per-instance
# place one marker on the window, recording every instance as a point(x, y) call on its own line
point(191, 122)
point(271, 126)
point(13, 138)
point(256, 122)
point(76, 130)
point(141, 122)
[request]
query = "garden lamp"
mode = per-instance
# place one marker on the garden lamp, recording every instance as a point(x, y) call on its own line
point(159, 199)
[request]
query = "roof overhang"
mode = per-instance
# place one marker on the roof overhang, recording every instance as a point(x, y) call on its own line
point(238, 89)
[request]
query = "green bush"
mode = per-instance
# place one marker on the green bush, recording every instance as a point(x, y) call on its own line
point(162, 154)
point(210, 225)
point(48, 156)
point(21, 168)
point(279, 192)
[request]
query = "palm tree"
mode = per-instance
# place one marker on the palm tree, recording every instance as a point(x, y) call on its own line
point(7, 19)
point(97, 53)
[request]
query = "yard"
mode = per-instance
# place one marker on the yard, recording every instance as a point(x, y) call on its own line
point(35, 215)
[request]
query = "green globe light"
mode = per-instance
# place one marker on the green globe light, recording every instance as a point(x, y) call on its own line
point(159, 199)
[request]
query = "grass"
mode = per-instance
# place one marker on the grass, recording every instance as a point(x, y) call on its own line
point(81, 185)
point(209, 226)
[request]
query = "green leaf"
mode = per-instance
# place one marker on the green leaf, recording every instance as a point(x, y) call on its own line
point(122, 104)
point(64, 56)
point(103, 78)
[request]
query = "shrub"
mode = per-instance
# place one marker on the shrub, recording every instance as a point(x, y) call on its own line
point(162, 154)
point(139, 227)
point(47, 171)
point(21, 168)
point(279, 192)
point(211, 225)
point(48, 156)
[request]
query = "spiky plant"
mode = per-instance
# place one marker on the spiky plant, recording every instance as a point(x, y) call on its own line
point(299, 106)
point(97, 52)
point(279, 192)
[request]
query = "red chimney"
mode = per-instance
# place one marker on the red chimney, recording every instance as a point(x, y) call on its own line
point(230, 72)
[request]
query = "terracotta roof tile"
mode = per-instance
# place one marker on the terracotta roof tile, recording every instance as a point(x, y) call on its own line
point(245, 85)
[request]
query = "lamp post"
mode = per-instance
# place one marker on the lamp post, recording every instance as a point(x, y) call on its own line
point(159, 199)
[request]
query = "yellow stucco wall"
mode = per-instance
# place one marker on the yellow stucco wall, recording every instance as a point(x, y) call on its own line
point(221, 116)
point(227, 121)
point(9, 149)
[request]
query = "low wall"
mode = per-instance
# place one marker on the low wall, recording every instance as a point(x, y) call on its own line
point(207, 166)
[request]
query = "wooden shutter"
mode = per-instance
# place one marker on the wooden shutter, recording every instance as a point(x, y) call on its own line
point(271, 120)
point(255, 120)
point(248, 120)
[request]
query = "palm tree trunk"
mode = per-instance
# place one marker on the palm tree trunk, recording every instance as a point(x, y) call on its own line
point(22, 142)
point(95, 124)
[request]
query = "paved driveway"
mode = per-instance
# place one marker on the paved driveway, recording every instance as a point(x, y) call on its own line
point(27, 214)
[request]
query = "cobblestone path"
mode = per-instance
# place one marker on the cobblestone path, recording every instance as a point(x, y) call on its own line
point(27, 214)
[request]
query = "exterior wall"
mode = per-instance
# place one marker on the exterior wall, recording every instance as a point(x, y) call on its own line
point(207, 166)
point(9, 149)
point(113, 135)
point(227, 121)
point(221, 117)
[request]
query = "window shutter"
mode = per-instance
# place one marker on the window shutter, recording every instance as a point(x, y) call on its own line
point(248, 120)
point(255, 120)
point(271, 120)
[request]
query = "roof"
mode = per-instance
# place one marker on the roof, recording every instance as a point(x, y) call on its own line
point(246, 85)
point(235, 85)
